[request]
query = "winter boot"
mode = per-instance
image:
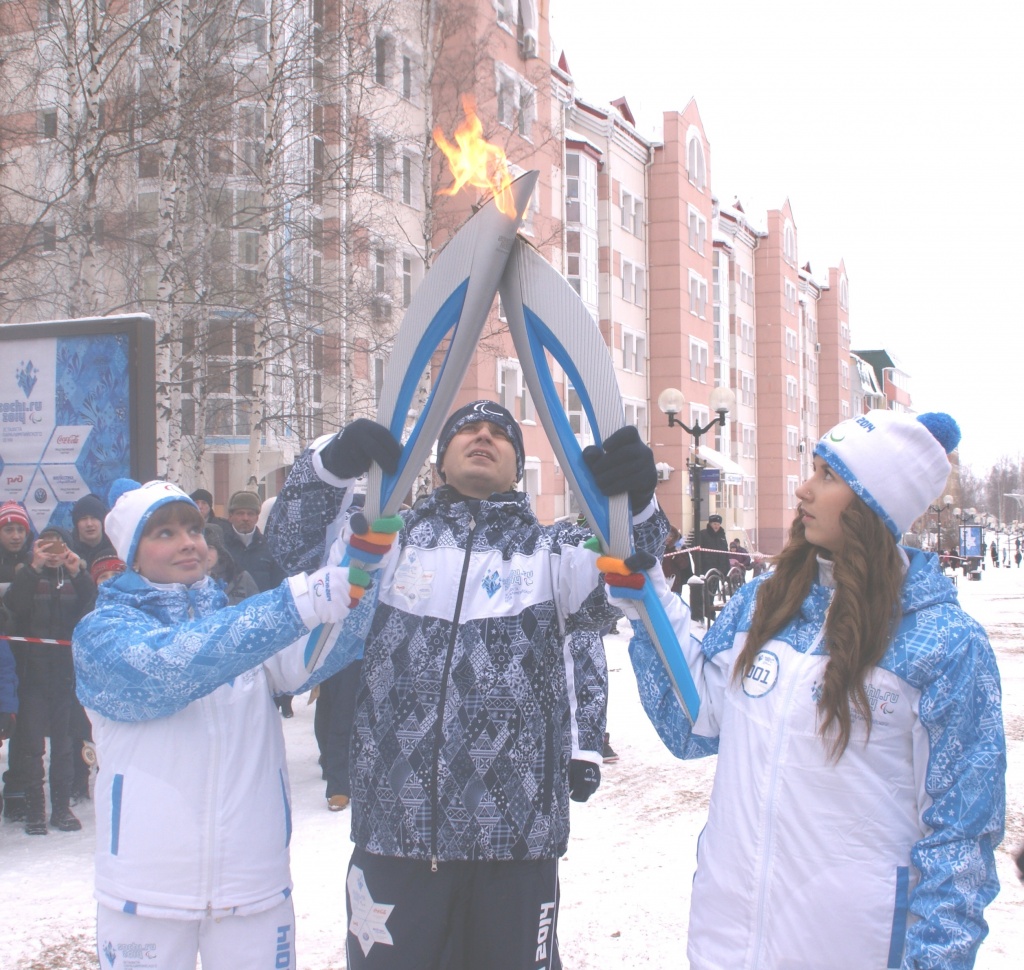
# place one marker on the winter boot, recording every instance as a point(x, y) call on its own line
point(65, 820)
point(14, 806)
point(35, 813)
point(608, 755)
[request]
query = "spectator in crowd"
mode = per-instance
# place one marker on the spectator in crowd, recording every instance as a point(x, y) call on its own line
point(204, 502)
point(15, 552)
point(106, 568)
point(713, 537)
point(221, 566)
point(46, 598)
point(192, 804)
point(463, 760)
point(89, 540)
point(332, 725)
point(8, 689)
point(246, 543)
point(855, 710)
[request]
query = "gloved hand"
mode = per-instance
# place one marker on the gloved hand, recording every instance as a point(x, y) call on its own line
point(7, 720)
point(329, 594)
point(624, 464)
point(584, 778)
point(352, 450)
point(367, 546)
point(625, 579)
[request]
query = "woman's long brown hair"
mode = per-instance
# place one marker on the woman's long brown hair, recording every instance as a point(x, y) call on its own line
point(868, 576)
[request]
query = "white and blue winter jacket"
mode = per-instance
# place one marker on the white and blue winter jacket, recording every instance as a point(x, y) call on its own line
point(192, 797)
point(882, 859)
point(475, 690)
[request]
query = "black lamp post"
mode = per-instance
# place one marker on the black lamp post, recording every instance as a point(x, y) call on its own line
point(722, 401)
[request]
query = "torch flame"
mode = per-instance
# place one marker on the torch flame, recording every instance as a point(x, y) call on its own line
point(474, 161)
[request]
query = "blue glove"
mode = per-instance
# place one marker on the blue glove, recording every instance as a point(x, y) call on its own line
point(624, 464)
point(352, 450)
point(584, 777)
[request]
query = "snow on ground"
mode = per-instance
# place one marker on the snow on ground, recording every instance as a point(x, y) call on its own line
point(626, 876)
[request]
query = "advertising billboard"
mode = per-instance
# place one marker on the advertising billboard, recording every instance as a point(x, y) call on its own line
point(77, 411)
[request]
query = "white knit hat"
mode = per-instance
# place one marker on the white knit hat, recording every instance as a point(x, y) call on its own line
point(895, 462)
point(131, 505)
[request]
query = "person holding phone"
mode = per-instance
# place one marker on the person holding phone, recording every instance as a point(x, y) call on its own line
point(46, 598)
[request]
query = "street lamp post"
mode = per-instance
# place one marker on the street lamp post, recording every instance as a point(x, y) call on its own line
point(722, 401)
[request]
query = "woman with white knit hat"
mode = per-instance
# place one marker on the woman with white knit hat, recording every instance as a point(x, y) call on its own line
point(855, 711)
point(192, 805)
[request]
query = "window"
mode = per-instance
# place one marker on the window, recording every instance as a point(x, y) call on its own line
point(407, 180)
point(746, 288)
point(695, 170)
point(789, 297)
point(632, 283)
point(380, 172)
point(634, 352)
point(747, 389)
point(791, 350)
point(844, 408)
point(789, 243)
point(791, 394)
point(698, 361)
point(749, 493)
point(746, 337)
point(516, 100)
point(698, 295)
point(749, 441)
point(698, 230)
point(48, 123)
point(505, 10)
point(406, 281)
point(380, 60)
point(407, 77)
point(581, 263)
point(512, 391)
point(844, 293)
point(381, 284)
point(577, 418)
point(792, 444)
point(48, 237)
point(844, 374)
point(636, 415)
point(49, 12)
point(632, 214)
point(792, 481)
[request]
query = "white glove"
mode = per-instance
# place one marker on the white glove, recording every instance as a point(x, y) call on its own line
point(324, 596)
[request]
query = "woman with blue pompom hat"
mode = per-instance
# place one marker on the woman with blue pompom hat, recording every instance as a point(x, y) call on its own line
point(855, 710)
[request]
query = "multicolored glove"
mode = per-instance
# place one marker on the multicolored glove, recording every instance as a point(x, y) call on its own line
point(625, 578)
point(366, 547)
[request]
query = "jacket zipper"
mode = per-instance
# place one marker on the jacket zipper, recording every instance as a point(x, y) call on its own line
point(212, 800)
point(439, 727)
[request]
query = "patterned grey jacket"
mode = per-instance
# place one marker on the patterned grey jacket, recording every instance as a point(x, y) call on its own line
point(475, 691)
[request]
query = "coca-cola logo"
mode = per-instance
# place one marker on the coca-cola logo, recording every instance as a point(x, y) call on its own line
point(67, 439)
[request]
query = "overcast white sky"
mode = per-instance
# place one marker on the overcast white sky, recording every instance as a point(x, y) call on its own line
point(895, 129)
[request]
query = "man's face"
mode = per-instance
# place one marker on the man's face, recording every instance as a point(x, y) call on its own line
point(480, 460)
point(715, 526)
point(243, 520)
point(90, 530)
point(203, 506)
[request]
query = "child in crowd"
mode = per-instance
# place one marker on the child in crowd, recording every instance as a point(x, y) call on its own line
point(106, 568)
point(855, 711)
point(192, 805)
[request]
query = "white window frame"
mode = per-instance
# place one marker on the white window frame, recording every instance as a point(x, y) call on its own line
point(634, 351)
point(697, 230)
point(513, 394)
point(698, 293)
point(792, 394)
point(699, 358)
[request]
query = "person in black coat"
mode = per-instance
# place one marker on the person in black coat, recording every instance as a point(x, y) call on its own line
point(714, 537)
point(89, 539)
point(246, 544)
point(46, 598)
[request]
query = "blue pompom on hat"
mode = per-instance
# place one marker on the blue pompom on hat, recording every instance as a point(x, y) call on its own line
point(131, 505)
point(897, 463)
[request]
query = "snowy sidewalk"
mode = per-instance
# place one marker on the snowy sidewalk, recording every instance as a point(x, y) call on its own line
point(625, 879)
